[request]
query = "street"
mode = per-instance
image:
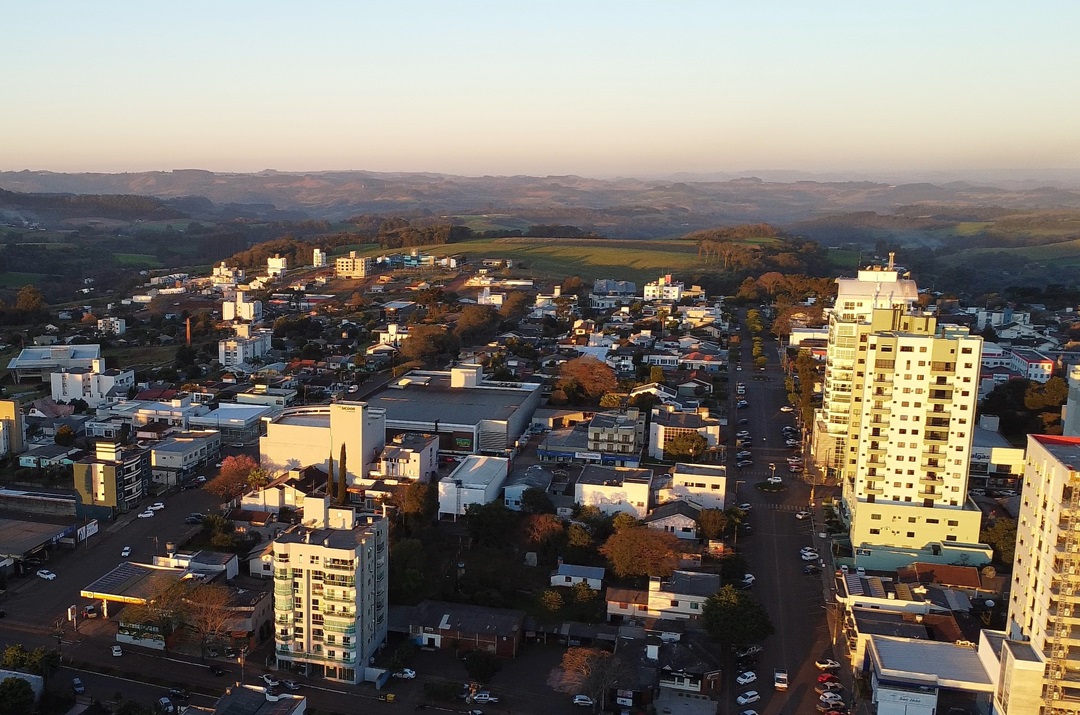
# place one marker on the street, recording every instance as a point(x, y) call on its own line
point(795, 601)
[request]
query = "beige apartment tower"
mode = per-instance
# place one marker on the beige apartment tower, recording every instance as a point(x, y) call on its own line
point(330, 592)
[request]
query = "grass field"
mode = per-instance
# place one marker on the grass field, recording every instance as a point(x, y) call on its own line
point(18, 280)
point(843, 258)
point(1061, 253)
point(137, 260)
point(140, 357)
point(493, 222)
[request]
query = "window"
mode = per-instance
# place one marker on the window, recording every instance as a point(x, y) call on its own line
point(694, 605)
point(950, 537)
point(674, 603)
point(911, 534)
point(875, 531)
point(875, 517)
point(953, 522)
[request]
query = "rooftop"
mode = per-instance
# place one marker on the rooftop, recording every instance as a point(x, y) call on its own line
point(597, 475)
point(328, 537)
point(700, 470)
point(479, 471)
point(468, 618)
point(687, 420)
point(1064, 449)
point(536, 476)
point(982, 437)
point(253, 700)
point(431, 398)
point(691, 583)
point(943, 664)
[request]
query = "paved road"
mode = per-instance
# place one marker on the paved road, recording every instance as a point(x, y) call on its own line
point(795, 601)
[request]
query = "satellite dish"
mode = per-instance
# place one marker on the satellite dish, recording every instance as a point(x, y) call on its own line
point(989, 603)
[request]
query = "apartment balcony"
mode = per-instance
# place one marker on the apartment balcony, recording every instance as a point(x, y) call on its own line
point(927, 479)
point(940, 396)
point(936, 437)
point(927, 494)
point(876, 491)
point(937, 422)
point(931, 464)
point(939, 409)
point(282, 574)
point(349, 566)
point(298, 653)
point(339, 616)
point(338, 597)
point(284, 591)
point(883, 379)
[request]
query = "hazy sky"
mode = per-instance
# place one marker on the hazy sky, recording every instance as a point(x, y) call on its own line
point(512, 87)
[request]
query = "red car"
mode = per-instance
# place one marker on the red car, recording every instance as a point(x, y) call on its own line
point(827, 678)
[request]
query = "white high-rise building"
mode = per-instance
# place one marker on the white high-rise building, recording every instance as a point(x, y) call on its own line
point(330, 592)
point(240, 308)
point(352, 266)
point(245, 347)
point(897, 423)
point(1044, 606)
point(1072, 406)
point(277, 266)
point(305, 436)
point(318, 258)
point(94, 385)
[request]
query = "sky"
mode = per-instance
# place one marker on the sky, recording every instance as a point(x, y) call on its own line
point(586, 87)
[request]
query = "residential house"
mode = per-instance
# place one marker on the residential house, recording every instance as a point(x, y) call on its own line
point(615, 489)
point(444, 625)
point(667, 424)
point(702, 484)
point(675, 517)
point(570, 575)
point(681, 596)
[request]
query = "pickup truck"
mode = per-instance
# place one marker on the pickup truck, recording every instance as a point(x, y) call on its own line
point(779, 679)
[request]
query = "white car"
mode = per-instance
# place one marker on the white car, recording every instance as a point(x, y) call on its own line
point(787, 408)
point(746, 506)
point(775, 480)
point(146, 514)
point(156, 506)
point(830, 698)
point(827, 664)
point(270, 680)
point(583, 700)
point(406, 673)
point(46, 574)
point(746, 678)
point(750, 696)
point(748, 578)
point(806, 549)
point(744, 434)
point(125, 552)
point(484, 697)
point(810, 556)
point(117, 651)
point(800, 515)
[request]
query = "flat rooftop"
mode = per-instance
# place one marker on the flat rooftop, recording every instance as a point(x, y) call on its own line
point(130, 582)
point(536, 476)
point(431, 399)
point(331, 538)
point(981, 437)
point(700, 470)
point(1064, 449)
point(19, 537)
point(599, 476)
point(944, 664)
point(479, 471)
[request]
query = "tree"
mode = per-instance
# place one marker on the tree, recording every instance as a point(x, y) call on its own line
point(686, 446)
point(428, 342)
point(330, 478)
point(536, 501)
point(611, 400)
point(623, 520)
point(590, 671)
point(578, 537)
point(735, 617)
point(540, 528)
point(641, 551)
point(15, 657)
point(1001, 535)
point(551, 600)
point(207, 612)
point(421, 500)
point(514, 305)
point(482, 665)
point(712, 523)
point(408, 563)
point(476, 322)
point(16, 697)
point(583, 593)
point(65, 436)
point(232, 478)
point(656, 374)
point(586, 376)
point(29, 299)
point(489, 523)
point(259, 478)
point(342, 487)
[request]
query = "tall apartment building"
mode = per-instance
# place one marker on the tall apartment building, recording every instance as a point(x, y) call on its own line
point(897, 422)
point(330, 592)
point(12, 428)
point(318, 258)
point(240, 308)
point(277, 266)
point(352, 266)
point(114, 480)
point(247, 345)
point(1044, 606)
point(94, 385)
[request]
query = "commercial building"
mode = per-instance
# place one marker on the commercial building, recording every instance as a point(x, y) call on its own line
point(995, 463)
point(304, 436)
point(469, 414)
point(1032, 365)
point(177, 458)
point(113, 481)
point(618, 435)
point(330, 592)
point(39, 363)
point(615, 489)
point(476, 480)
point(93, 385)
point(236, 422)
point(225, 276)
point(277, 266)
point(352, 266)
point(1044, 606)
point(897, 422)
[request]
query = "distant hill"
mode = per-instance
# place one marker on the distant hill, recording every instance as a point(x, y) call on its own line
point(627, 207)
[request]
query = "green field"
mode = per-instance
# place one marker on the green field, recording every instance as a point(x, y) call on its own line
point(137, 260)
point(843, 258)
point(1061, 253)
point(18, 280)
point(493, 222)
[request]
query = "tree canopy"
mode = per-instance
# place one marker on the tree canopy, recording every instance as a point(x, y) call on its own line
point(233, 476)
point(586, 377)
point(735, 617)
point(641, 551)
point(686, 446)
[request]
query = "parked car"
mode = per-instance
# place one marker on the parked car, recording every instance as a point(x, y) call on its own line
point(748, 650)
point(583, 700)
point(744, 420)
point(270, 680)
point(811, 570)
point(749, 578)
point(746, 678)
point(823, 688)
point(46, 574)
point(77, 686)
point(827, 664)
point(146, 514)
point(290, 684)
point(830, 698)
point(810, 556)
point(156, 506)
point(165, 705)
point(484, 697)
point(744, 434)
point(828, 678)
point(807, 549)
point(743, 455)
point(117, 651)
point(192, 520)
point(800, 515)
point(743, 463)
point(179, 694)
point(746, 506)
point(125, 552)
point(775, 480)
point(787, 408)
point(406, 673)
point(750, 696)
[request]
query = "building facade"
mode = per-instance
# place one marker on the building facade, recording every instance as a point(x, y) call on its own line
point(94, 385)
point(247, 347)
point(352, 266)
point(330, 592)
point(114, 480)
point(305, 436)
